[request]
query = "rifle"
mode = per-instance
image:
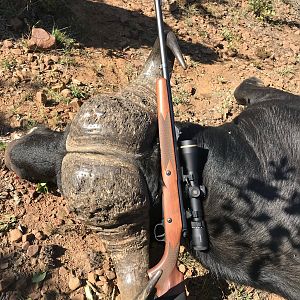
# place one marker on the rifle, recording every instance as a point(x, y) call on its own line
point(171, 281)
point(165, 276)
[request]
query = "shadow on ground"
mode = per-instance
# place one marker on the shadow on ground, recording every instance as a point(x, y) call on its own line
point(99, 25)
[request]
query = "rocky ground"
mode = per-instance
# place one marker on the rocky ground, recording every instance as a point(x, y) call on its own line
point(45, 253)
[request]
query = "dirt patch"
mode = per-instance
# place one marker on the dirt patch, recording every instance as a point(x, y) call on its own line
point(223, 43)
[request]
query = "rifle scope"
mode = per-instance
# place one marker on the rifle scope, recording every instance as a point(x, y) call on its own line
point(190, 157)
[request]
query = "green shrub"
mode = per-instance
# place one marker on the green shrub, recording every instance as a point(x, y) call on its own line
point(262, 9)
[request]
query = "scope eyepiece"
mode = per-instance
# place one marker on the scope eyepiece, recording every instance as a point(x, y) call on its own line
point(199, 236)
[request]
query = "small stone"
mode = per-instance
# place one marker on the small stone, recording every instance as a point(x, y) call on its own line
point(76, 104)
point(99, 272)
point(190, 89)
point(19, 74)
point(54, 58)
point(102, 279)
point(36, 295)
point(99, 284)
point(32, 193)
point(25, 245)
point(216, 115)
point(4, 266)
point(33, 250)
point(58, 67)
point(58, 87)
point(39, 235)
point(106, 266)
point(41, 98)
point(182, 268)
point(42, 67)
point(92, 277)
point(33, 261)
point(76, 81)
point(16, 51)
point(49, 229)
point(46, 60)
point(181, 249)
point(74, 283)
point(110, 275)
point(15, 235)
point(78, 297)
point(106, 288)
point(66, 93)
point(42, 39)
point(7, 44)
point(62, 271)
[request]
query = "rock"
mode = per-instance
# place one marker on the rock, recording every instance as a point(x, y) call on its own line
point(42, 39)
point(41, 98)
point(33, 261)
point(4, 266)
point(36, 295)
point(39, 235)
point(47, 60)
point(25, 245)
point(76, 104)
point(42, 67)
point(103, 279)
point(106, 266)
point(182, 268)
point(33, 250)
point(58, 87)
point(190, 89)
point(78, 297)
point(99, 272)
point(66, 93)
point(74, 283)
point(62, 271)
point(16, 51)
point(58, 67)
point(26, 74)
point(15, 235)
point(7, 44)
point(18, 74)
point(106, 288)
point(110, 275)
point(92, 277)
point(54, 58)
point(76, 81)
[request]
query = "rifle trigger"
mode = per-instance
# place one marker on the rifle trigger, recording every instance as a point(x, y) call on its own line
point(159, 232)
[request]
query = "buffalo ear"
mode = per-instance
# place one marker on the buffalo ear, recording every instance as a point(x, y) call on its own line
point(248, 92)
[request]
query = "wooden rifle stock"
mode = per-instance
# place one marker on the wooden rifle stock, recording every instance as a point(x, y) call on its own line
point(172, 278)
